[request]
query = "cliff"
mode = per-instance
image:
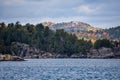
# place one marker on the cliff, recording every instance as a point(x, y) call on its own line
point(26, 51)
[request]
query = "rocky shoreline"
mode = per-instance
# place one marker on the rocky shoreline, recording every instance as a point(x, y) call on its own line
point(25, 51)
point(8, 57)
point(102, 53)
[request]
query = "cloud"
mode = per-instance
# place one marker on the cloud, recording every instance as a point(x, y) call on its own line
point(12, 2)
point(87, 9)
point(97, 13)
point(101, 22)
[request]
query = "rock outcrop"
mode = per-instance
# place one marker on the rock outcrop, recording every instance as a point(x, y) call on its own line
point(8, 57)
point(104, 53)
point(26, 51)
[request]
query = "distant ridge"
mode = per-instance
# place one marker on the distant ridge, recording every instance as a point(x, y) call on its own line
point(80, 29)
point(73, 26)
point(86, 31)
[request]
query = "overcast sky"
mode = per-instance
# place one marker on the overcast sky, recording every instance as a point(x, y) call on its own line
point(98, 13)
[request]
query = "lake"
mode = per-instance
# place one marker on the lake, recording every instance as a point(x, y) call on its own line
point(61, 69)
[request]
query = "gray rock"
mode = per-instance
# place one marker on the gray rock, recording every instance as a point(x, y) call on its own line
point(24, 50)
point(61, 56)
point(103, 53)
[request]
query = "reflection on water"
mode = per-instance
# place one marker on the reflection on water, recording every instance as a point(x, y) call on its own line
point(61, 69)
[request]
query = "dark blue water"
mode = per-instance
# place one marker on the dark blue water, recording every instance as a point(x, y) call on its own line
point(61, 69)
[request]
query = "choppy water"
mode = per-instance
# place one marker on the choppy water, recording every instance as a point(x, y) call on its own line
point(61, 69)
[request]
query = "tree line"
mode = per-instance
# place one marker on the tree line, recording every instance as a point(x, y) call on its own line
point(42, 37)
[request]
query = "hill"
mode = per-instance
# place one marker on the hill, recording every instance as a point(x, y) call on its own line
point(73, 26)
point(80, 29)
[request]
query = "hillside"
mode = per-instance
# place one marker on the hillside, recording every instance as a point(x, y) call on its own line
point(73, 26)
point(37, 40)
point(86, 31)
point(80, 29)
point(114, 33)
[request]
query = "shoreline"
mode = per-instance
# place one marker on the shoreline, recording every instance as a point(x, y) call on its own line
point(25, 59)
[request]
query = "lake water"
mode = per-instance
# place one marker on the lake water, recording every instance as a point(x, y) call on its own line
point(61, 69)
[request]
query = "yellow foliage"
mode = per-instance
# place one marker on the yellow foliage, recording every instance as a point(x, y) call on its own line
point(93, 41)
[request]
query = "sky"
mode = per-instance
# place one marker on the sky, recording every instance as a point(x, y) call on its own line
point(98, 13)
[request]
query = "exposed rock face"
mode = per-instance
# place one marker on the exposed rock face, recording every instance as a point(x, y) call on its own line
point(61, 56)
point(8, 57)
point(24, 50)
point(100, 53)
point(116, 52)
point(80, 29)
point(80, 55)
point(103, 53)
point(47, 55)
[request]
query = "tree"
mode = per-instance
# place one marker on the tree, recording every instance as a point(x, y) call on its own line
point(102, 43)
point(59, 41)
point(17, 25)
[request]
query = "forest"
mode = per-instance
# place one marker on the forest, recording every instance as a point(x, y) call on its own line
point(47, 40)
